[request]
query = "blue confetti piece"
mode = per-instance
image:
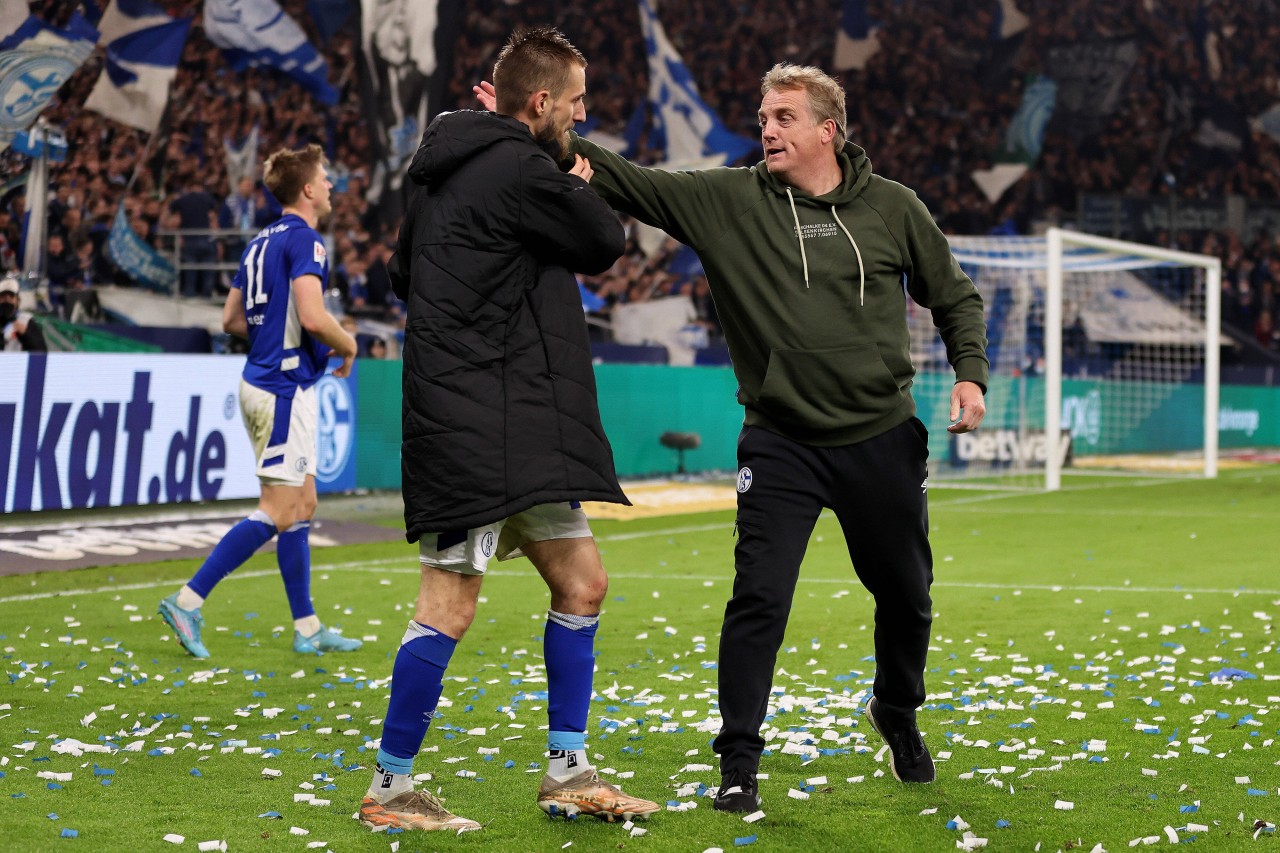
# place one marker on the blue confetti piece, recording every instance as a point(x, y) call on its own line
point(1002, 823)
point(18, 796)
point(105, 780)
point(509, 764)
point(1188, 809)
point(70, 833)
point(52, 815)
point(54, 786)
point(196, 772)
point(271, 815)
point(1254, 792)
point(744, 841)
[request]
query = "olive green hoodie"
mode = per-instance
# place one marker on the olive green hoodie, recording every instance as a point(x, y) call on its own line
point(809, 290)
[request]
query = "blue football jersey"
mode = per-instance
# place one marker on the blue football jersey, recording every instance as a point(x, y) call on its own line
point(283, 356)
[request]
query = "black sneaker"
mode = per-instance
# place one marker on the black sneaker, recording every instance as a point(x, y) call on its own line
point(909, 758)
point(738, 792)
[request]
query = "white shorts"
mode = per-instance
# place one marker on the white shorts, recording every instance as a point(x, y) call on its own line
point(468, 552)
point(283, 433)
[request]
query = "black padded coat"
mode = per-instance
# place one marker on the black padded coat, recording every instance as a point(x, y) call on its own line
point(500, 410)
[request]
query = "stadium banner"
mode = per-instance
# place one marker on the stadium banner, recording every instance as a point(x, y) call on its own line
point(135, 257)
point(378, 425)
point(402, 43)
point(1090, 76)
point(80, 430)
point(35, 60)
point(640, 402)
point(1102, 417)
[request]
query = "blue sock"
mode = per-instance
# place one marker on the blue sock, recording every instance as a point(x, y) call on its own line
point(416, 684)
point(569, 651)
point(293, 555)
point(231, 552)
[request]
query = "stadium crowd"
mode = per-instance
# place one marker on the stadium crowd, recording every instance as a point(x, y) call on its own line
point(931, 106)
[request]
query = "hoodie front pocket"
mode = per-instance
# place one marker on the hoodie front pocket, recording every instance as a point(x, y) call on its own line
point(828, 389)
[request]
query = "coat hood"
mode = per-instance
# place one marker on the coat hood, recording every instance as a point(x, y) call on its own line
point(855, 167)
point(454, 138)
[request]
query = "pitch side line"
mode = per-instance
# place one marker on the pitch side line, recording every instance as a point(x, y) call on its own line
point(395, 567)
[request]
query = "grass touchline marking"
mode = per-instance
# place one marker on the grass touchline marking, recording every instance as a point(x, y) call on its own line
point(389, 566)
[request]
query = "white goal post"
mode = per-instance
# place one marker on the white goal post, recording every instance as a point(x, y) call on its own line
point(1057, 240)
point(1104, 359)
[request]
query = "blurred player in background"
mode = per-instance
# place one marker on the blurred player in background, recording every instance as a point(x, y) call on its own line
point(502, 432)
point(277, 303)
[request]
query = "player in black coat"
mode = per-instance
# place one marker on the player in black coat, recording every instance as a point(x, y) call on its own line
point(502, 434)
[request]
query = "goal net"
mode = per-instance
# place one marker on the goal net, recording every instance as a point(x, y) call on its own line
point(1110, 346)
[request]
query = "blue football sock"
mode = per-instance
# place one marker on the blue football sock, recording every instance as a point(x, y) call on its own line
point(231, 552)
point(569, 651)
point(293, 555)
point(416, 684)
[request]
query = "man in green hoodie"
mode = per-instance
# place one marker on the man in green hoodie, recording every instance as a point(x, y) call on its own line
point(810, 257)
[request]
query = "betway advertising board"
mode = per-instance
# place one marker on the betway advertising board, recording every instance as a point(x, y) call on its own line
point(93, 429)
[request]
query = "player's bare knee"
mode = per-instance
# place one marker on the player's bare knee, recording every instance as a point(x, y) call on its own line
point(452, 621)
point(580, 594)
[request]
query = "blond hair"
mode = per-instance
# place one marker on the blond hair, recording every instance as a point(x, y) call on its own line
point(287, 172)
point(825, 95)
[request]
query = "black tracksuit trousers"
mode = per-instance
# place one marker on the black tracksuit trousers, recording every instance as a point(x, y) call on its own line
point(877, 490)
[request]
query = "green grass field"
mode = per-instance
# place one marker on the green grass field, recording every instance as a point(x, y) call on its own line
point(1110, 647)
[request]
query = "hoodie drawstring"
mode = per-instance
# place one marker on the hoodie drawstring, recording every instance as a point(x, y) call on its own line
point(804, 259)
point(800, 236)
point(862, 270)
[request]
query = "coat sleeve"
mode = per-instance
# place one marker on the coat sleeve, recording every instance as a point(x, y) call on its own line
point(564, 222)
point(935, 280)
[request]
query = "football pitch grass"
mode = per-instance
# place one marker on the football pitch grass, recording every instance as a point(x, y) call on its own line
point(1103, 671)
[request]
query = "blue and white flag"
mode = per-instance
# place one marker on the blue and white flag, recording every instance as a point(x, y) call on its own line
point(144, 46)
point(692, 131)
point(35, 60)
point(857, 38)
point(1025, 136)
point(1008, 20)
point(136, 259)
point(257, 33)
point(242, 159)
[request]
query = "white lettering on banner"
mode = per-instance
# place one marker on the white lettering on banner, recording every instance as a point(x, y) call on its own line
point(1246, 421)
point(1005, 446)
point(87, 430)
point(1083, 416)
point(74, 544)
